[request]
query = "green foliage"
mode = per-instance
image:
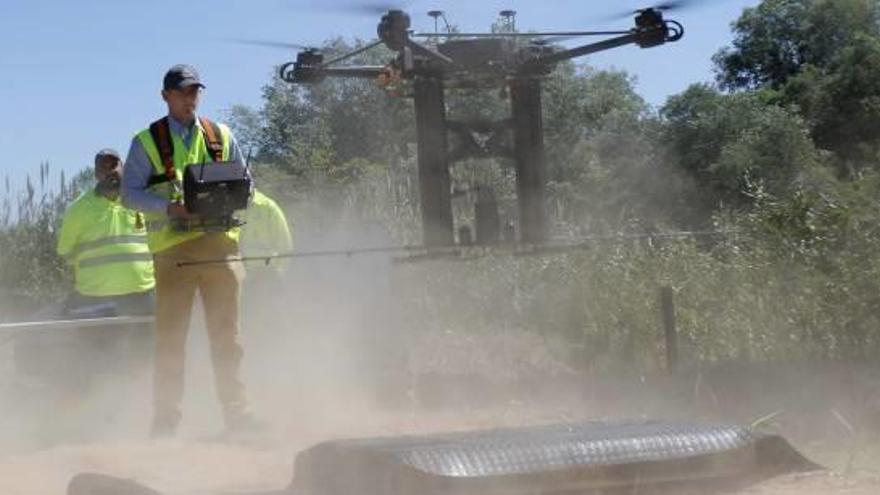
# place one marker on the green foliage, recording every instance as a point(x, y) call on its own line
point(602, 155)
point(32, 275)
point(842, 103)
point(820, 58)
point(733, 144)
point(822, 239)
point(743, 299)
point(249, 130)
point(778, 38)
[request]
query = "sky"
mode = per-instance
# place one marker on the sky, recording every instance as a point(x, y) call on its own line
point(78, 76)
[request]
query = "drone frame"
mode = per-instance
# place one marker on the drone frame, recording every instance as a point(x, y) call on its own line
point(432, 72)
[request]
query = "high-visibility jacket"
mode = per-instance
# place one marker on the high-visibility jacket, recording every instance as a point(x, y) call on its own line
point(160, 234)
point(107, 245)
point(265, 231)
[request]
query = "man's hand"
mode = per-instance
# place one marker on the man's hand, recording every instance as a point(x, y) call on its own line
point(178, 210)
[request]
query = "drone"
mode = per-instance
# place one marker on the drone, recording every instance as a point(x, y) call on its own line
point(499, 60)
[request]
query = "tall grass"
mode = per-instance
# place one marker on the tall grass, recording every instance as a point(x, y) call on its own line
point(790, 281)
point(759, 294)
point(31, 273)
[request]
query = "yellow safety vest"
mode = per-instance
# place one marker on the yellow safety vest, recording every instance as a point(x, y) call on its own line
point(265, 231)
point(160, 234)
point(107, 245)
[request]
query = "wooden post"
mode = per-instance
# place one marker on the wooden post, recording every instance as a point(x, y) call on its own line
point(667, 312)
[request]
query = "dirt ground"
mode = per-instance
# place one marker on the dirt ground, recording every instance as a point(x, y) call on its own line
point(816, 484)
point(200, 463)
point(193, 466)
point(316, 387)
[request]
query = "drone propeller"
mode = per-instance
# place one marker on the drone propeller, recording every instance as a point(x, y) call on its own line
point(673, 5)
point(665, 6)
point(268, 43)
point(366, 8)
point(357, 8)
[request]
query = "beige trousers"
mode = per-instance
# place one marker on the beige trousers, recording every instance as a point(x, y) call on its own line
point(220, 287)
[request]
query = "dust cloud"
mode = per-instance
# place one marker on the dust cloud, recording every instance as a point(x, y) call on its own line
point(331, 353)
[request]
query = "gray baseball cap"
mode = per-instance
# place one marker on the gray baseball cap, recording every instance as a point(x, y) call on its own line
point(106, 152)
point(181, 76)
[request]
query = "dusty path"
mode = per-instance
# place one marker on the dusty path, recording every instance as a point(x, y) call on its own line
point(171, 467)
point(316, 402)
point(817, 484)
point(204, 467)
point(194, 468)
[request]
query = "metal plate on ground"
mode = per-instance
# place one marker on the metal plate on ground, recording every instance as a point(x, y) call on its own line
point(543, 459)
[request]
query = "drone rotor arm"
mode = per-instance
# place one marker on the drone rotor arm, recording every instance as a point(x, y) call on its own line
point(627, 39)
point(351, 54)
point(518, 35)
point(356, 71)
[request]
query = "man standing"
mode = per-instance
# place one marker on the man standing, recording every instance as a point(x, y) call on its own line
point(106, 244)
point(152, 183)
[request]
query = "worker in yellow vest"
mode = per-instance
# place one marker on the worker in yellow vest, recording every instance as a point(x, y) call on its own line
point(154, 171)
point(106, 244)
point(265, 231)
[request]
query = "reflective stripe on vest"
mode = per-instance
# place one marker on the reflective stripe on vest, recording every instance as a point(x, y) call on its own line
point(115, 258)
point(96, 232)
point(108, 241)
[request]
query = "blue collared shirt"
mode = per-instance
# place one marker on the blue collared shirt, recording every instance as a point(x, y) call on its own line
point(138, 169)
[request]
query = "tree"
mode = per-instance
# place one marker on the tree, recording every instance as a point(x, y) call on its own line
point(842, 104)
point(248, 127)
point(601, 140)
point(820, 58)
point(734, 143)
point(778, 38)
